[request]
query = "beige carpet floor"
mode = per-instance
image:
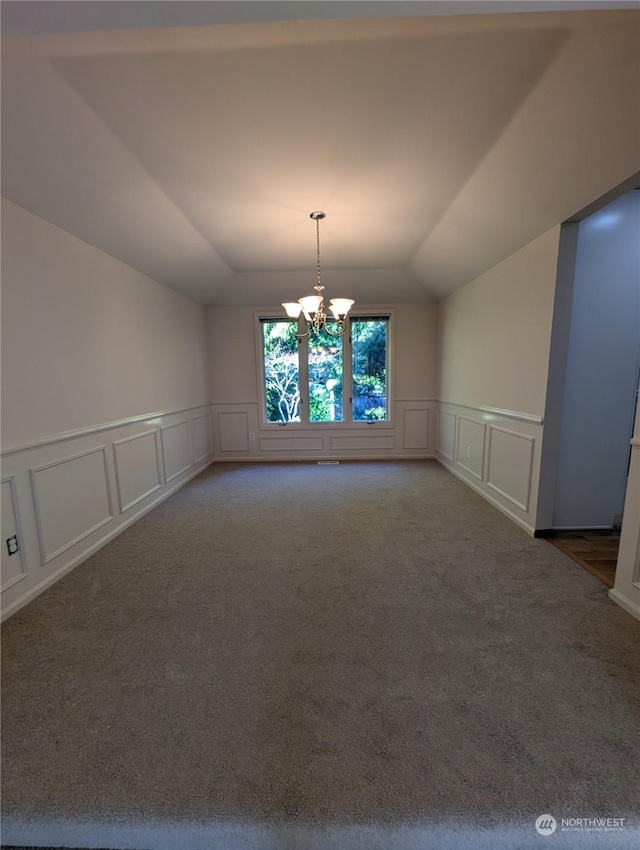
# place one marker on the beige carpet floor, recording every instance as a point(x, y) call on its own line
point(303, 657)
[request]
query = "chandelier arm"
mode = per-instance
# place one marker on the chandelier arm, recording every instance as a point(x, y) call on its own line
point(302, 336)
point(340, 332)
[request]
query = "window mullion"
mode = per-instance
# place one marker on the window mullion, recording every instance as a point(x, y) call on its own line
point(347, 373)
point(303, 366)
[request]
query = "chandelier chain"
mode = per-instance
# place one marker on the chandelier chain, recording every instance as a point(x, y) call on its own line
point(318, 249)
point(313, 307)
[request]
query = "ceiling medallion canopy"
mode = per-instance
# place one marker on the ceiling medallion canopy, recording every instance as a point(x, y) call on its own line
point(312, 307)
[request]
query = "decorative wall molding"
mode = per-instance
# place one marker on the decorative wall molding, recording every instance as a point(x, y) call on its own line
point(11, 525)
point(292, 444)
point(481, 491)
point(233, 427)
point(510, 482)
point(75, 493)
point(96, 429)
point(450, 431)
point(234, 403)
point(46, 580)
point(497, 456)
point(496, 411)
point(409, 433)
point(415, 428)
point(475, 445)
point(205, 429)
point(122, 473)
point(346, 442)
point(176, 449)
point(57, 515)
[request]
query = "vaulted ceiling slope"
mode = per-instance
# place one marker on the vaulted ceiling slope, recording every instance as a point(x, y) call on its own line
point(436, 144)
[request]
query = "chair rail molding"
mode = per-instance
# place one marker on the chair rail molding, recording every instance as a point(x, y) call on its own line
point(96, 429)
point(497, 411)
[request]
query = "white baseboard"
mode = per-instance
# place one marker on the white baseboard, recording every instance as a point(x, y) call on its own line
point(316, 458)
point(59, 573)
point(629, 606)
point(528, 528)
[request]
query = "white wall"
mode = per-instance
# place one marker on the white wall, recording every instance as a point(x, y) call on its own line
point(627, 586)
point(494, 340)
point(495, 332)
point(602, 366)
point(92, 352)
point(236, 407)
point(86, 339)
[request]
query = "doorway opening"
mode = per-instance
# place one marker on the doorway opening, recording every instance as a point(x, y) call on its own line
point(593, 385)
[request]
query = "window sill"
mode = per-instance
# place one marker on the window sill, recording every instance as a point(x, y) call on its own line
point(385, 425)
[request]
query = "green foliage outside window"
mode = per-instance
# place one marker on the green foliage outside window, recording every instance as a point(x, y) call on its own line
point(325, 378)
point(281, 371)
point(325, 372)
point(369, 361)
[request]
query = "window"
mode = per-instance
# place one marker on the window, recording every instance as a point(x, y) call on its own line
point(369, 368)
point(281, 371)
point(324, 357)
point(323, 379)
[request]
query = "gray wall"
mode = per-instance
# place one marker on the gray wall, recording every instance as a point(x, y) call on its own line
point(602, 366)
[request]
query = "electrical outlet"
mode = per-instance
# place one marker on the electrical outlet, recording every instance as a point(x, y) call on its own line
point(252, 436)
point(12, 544)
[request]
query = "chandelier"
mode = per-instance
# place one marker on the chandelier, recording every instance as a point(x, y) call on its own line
point(313, 306)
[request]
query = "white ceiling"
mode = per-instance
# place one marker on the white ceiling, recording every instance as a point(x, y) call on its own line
point(436, 144)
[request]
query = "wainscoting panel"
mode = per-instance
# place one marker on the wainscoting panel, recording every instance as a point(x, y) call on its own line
point(64, 497)
point(176, 449)
point(497, 453)
point(416, 428)
point(72, 499)
point(234, 431)
point(361, 443)
point(447, 435)
point(292, 444)
point(509, 467)
point(137, 464)
point(13, 569)
point(470, 448)
point(201, 438)
point(240, 435)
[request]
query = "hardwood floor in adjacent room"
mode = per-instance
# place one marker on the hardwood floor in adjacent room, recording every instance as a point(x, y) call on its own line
point(595, 550)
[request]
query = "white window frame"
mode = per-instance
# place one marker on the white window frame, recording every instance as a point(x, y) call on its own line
point(347, 424)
